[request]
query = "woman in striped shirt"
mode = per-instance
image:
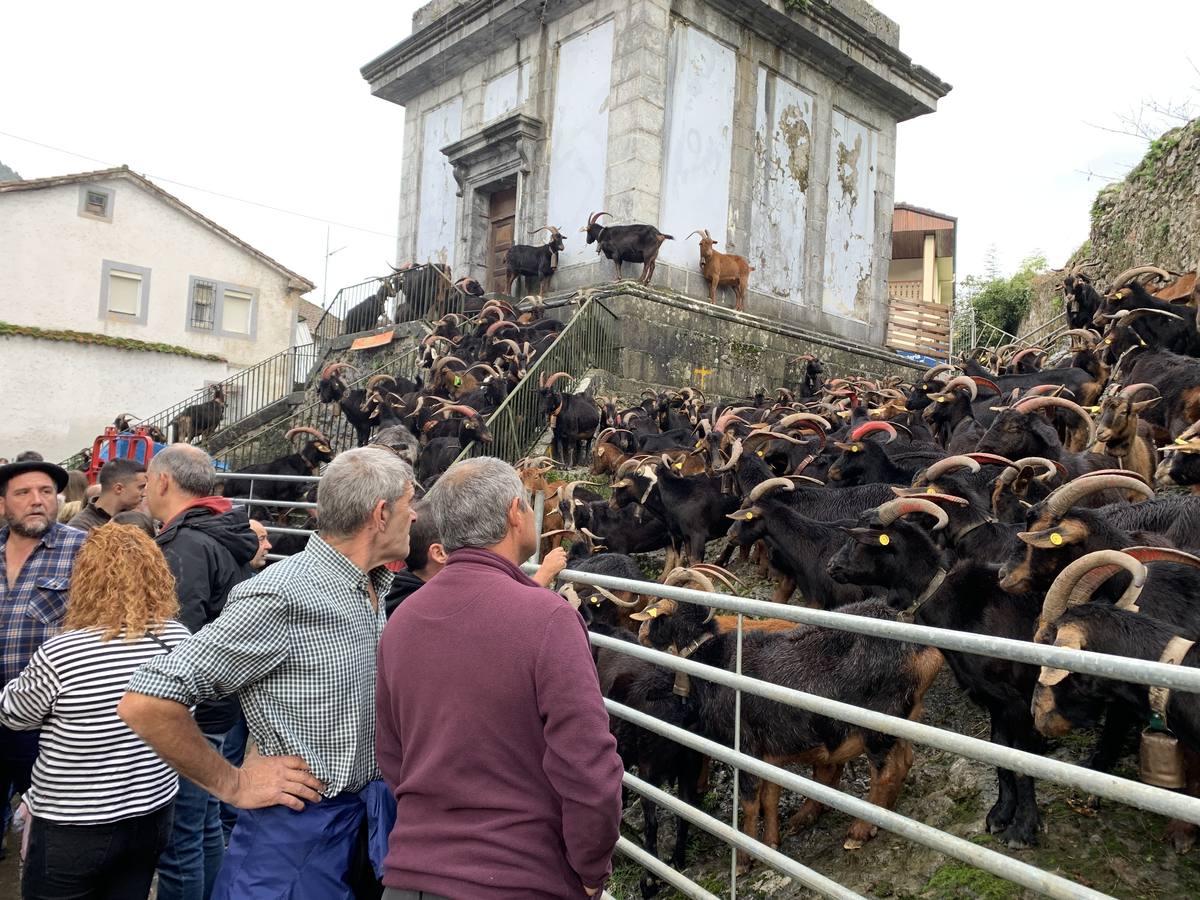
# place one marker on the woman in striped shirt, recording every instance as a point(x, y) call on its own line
point(101, 799)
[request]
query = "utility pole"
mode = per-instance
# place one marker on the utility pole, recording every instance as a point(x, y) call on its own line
point(325, 277)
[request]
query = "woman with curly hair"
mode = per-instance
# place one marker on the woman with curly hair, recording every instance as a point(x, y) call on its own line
point(101, 799)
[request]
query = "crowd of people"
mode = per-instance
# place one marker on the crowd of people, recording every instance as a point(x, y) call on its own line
point(396, 711)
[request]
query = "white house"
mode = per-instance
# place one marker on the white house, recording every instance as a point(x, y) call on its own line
point(116, 297)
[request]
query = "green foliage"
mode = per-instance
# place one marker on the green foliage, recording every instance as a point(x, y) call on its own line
point(103, 340)
point(959, 880)
point(1003, 302)
point(8, 174)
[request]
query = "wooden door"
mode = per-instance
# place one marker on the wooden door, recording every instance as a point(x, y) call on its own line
point(502, 218)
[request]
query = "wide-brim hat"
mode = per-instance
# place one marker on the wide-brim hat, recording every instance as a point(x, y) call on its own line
point(12, 470)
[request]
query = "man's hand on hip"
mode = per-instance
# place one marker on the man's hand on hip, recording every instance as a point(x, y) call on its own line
point(274, 781)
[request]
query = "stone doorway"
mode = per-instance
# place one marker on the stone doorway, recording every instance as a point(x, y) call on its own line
point(502, 217)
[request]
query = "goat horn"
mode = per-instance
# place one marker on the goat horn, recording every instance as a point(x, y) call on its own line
point(1063, 498)
point(942, 466)
point(1023, 353)
point(304, 429)
point(734, 455)
point(1039, 402)
point(962, 381)
point(1133, 389)
point(990, 459)
point(1129, 274)
point(889, 512)
point(609, 595)
point(870, 427)
point(1126, 472)
point(1058, 597)
point(594, 216)
point(684, 577)
point(788, 421)
point(937, 370)
point(766, 487)
point(553, 378)
point(694, 232)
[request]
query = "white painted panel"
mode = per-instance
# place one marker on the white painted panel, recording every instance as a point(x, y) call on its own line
point(437, 200)
point(502, 95)
point(699, 151)
point(782, 156)
point(850, 228)
point(579, 137)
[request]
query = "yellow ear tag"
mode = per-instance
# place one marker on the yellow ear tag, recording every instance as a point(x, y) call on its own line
point(1180, 440)
point(854, 448)
point(931, 490)
point(595, 598)
point(884, 540)
point(940, 399)
point(1056, 539)
point(749, 516)
point(758, 453)
point(652, 611)
point(678, 465)
point(457, 381)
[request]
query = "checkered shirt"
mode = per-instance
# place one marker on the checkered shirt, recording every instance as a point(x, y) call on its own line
point(33, 609)
point(298, 645)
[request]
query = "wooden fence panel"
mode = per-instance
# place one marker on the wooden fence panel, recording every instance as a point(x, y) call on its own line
point(919, 327)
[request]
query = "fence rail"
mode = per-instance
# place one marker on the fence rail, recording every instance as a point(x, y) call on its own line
point(587, 340)
point(419, 292)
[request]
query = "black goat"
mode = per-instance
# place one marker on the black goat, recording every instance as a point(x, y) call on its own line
point(427, 290)
point(1021, 431)
point(527, 261)
point(626, 243)
point(866, 462)
point(1081, 299)
point(332, 388)
point(1177, 379)
point(573, 421)
point(887, 547)
point(1169, 329)
point(307, 461)
point(372, 312)
point(887, 676)
point(199, 420)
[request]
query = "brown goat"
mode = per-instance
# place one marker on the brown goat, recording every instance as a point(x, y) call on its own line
point(1118, 433)
point(723, 270)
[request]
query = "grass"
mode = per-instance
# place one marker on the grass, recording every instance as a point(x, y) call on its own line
point(954, 880)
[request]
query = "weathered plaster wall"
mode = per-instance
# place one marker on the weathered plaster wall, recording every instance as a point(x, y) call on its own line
point(579, 135)
point(848, 289)
point(699, 141)
point(438, 192)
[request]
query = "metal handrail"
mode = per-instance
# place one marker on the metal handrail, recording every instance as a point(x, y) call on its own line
point(437, 298)
point(586, 341)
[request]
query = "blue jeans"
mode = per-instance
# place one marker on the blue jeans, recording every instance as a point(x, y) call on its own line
point(189, 865)
point(234, 751)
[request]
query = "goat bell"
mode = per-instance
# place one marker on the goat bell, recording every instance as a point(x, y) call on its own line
point(1162, 760)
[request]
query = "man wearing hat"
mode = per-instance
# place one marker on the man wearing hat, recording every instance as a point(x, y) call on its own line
point(36, 556)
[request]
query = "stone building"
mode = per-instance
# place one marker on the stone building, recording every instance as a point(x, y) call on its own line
point(771, 123)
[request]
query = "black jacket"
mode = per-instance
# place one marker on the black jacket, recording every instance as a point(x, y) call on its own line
point(208, 552)
point(403, 584)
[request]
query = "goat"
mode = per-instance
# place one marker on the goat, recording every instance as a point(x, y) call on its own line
point(573, 420)
point(1064, 699)
point(888, 547)
point(1177, 379)
point(723, 270)
point(332, 388)
point(307, 461)
point(199, 420)
point(426, 289)
point(1080, 297)
point(526, 261)
point(372, 312)
point(866, 462)
point(1117, 433)
point(887, 676)
point(626, 243)
point(1020, 431)
point(1180, 464)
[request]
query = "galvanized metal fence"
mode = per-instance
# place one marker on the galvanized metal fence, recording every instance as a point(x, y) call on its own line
point(1050, 884)
point(419, 292)
point(326, 418)
point(587, 340)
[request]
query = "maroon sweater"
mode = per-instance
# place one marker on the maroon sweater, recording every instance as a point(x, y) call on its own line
point(492, 734)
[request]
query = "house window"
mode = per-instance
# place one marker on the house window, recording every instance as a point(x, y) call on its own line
point(204, 295)
point(235, 309)
point(221, 308)
point(96, 202)
point(124, 292)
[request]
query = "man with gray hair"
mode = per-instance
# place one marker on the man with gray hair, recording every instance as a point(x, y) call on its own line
point(298, 645)
point(491, 730)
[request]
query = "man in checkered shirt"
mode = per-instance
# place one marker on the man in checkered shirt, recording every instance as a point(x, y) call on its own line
point(36, 557)
point(298, 645)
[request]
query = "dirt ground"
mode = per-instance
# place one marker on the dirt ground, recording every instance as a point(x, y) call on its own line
point(1113, 848)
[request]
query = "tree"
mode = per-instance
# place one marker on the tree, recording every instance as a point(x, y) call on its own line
point(7, 174)
point(1003, 302)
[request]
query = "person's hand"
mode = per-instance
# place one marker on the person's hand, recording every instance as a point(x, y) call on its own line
point(274, 781)
point(553, 563)
point(591, 892)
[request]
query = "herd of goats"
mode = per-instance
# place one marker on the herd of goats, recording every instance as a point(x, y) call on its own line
point(1010, 495)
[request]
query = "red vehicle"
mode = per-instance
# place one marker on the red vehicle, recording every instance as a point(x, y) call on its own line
point(136, 445)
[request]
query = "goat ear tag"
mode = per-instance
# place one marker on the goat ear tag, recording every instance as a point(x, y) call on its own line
point(854, 448)
point(1056, 539)
point(652, 612)
point(931, 490)
point(884, 540)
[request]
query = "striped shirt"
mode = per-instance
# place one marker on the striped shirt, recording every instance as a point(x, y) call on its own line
point(298, 644)
point(91, 768)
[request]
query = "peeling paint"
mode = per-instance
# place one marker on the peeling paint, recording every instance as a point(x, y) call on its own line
point(850, 224)
point(782, 161)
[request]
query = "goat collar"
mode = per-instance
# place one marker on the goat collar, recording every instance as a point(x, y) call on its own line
point(683, 682)
point(959, 535)
point(930, 589)
point(1172, 655)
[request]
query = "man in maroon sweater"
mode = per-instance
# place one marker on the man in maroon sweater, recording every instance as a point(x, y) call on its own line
point(491, 731)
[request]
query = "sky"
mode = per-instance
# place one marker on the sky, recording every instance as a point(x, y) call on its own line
point(253, 113)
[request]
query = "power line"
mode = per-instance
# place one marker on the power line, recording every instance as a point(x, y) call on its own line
point(192, 187)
